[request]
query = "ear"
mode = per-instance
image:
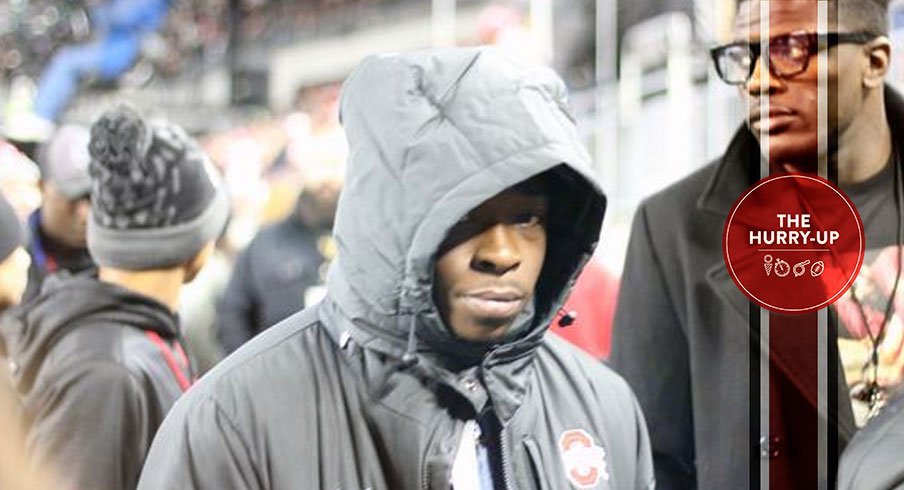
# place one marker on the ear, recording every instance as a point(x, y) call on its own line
point(878, 53)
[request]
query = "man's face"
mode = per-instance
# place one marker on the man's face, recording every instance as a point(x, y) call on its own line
point(322, 180)
point(792, 119)
point(321, 197)
point(489, 264)
point(63, 219)
point(13, 277)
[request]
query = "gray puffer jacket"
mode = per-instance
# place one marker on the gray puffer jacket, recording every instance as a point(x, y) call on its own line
point(369, 389)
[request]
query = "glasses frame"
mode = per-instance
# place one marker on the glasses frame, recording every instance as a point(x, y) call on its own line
point(815, 42)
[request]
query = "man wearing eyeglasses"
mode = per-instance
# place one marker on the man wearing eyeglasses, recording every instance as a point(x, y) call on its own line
point(681, 336)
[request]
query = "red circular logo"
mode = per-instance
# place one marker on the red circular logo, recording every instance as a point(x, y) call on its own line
point(793, 243)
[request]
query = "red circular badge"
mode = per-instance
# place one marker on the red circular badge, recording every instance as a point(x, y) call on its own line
point(793, 243)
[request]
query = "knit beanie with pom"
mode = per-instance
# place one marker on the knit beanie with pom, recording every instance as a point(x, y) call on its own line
point(156, 200)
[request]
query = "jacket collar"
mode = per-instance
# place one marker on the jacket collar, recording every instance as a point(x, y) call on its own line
point(730, 178)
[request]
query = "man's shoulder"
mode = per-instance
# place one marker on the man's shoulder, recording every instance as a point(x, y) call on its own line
point(583, 370)
point(101, 340)
point(82, 387)
point(277, 363)
point(96, 347)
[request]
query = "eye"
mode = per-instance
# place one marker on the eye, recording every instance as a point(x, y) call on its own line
point(527, 219)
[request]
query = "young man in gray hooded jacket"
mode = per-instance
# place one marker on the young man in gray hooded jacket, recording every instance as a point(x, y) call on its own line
point(468, 211)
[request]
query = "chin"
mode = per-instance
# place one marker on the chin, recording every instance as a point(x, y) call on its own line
point(78, 243)
point(804, 156)
point(486, 330)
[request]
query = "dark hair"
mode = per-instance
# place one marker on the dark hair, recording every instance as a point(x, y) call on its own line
point(857, 15)
point(862, 15)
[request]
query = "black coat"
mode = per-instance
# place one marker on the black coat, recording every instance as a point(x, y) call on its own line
point(681, 335)
point(93, 384)
point(269, 281)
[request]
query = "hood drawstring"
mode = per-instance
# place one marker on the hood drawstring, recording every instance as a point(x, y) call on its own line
point(410, 358)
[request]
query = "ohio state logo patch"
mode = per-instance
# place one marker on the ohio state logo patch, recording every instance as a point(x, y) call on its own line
point(584, 461)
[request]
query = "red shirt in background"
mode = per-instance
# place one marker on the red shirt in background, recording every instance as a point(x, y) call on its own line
point(593, 299)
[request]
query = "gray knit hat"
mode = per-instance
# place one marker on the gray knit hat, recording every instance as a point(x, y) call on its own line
point(11, 232)
point(156, 198)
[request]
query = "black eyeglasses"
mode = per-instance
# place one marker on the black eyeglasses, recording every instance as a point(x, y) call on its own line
point(789, 54)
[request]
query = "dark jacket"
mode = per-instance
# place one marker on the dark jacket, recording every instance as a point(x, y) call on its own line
point(360, 391)
point(682, 339)
point(48, 258)
point(269, 280)
point(872, 461)
point(94, 387)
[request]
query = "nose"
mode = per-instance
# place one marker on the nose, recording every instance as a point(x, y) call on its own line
point(755, 85)
point(498, 251)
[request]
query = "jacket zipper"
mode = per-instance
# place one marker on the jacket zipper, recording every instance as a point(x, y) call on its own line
point(503, 443)
point(425, 479)
point(425, 468)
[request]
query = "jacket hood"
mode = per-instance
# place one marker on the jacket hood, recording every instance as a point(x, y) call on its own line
point(67, 304)
point(432, 135)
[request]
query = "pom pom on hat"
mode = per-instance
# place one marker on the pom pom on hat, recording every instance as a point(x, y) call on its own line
point(156, 201)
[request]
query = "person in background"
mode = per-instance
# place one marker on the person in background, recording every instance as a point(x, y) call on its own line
point(682, 335)
point(56, 231)
point(19, 180)
point(16, 471)
point(14, 259)
point(98, 361)
point(199, 303)
point(282, 270)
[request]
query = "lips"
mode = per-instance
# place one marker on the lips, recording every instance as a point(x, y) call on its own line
point(500, 303)
point(774, 120)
